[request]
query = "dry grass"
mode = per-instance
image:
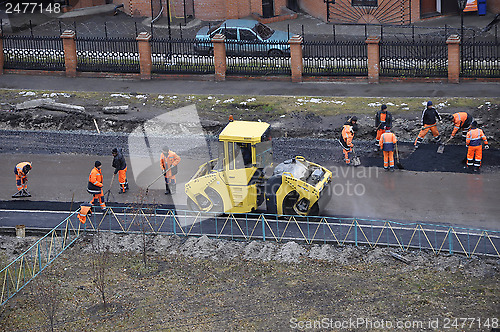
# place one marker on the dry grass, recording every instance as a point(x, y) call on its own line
point(178, 293)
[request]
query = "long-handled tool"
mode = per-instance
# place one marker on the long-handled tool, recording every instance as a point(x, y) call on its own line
point(441, 146)
point(109, 190)
point(162, 174)
point(355, 159)
point(398, 163)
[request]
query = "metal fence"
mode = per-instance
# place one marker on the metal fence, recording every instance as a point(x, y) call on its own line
point(36, 53)
point(107, 55)
point(15, 276)
point(413, 59)
point(172, 56)
point(253, 58)
point(480, 59)
point(338, 231)
point(342, 58)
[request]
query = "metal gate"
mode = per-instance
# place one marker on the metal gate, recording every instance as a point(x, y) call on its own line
point(369, 11)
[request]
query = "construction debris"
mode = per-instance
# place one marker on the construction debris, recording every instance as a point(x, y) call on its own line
point(49, 104)
point(401, 258)
point(115, 109)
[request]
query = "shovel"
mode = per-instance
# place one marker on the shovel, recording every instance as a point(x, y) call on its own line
point(355, 160)
point(109, 190)
point(162, 174)
point(441, 147)
point(398, 163)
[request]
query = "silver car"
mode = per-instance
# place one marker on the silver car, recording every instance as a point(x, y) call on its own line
point(244, 37)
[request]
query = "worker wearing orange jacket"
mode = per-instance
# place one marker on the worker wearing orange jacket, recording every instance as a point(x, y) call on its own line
point(387, 143)
point(461, 120)
point(21, 171)
point(475, 147)
point(95, 185)
point(168, 162)
point(85, 211)
point(347, 136)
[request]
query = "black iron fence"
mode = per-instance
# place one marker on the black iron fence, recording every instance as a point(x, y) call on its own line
point(480, 59)
point(248, 58)
point(107, 55)
point(413, 59)
point(342, 58)
point(398, 58)
point(36, 53)
point(170, 56)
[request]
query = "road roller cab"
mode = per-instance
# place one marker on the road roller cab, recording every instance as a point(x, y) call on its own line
point(242, 177)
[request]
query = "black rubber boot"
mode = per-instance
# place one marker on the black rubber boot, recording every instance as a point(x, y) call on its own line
point(167, 189)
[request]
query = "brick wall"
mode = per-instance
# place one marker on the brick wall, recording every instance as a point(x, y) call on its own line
point(493, 6)
point(210, 9)
point(415, 11)
point(278, 6)
point(316, 8)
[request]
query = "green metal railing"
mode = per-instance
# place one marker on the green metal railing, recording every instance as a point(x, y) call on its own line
point(29, 264)
point(246, 227)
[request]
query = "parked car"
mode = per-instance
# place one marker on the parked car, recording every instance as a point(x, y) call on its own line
point(244, 37)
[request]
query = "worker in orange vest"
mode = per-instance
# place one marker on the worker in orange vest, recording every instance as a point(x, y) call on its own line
point(383, 119)
point(168, 162)
point(21, 171)
point(475, 147)
point(387, 144)
point(95, 185)
point(350, 126)
point(461, 120)
point(85, 211)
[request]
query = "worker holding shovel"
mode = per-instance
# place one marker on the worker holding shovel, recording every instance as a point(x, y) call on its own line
point(429, 122)
point(168, 162)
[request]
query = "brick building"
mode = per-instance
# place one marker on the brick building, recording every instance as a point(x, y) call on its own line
point(334, 11)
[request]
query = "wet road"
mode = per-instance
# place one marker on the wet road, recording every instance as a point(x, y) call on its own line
point(365, 192)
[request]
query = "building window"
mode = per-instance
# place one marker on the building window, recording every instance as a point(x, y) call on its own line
point(366, 3)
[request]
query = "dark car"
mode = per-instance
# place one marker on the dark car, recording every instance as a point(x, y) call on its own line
point(244, 37)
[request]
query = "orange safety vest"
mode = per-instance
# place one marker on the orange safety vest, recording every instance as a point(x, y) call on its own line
point(171, 160)
point(84, 211)
point(474, 137)
point(19, 168)
point(387, 141)
point(347, 135)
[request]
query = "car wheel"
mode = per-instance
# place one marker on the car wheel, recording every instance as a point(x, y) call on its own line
point(275, 53)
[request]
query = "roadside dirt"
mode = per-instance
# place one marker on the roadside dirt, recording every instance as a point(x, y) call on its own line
point(206, 284)
point(289, 116)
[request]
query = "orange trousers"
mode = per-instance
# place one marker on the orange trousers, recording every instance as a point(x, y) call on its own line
point(423, 132)
point(347, 156)
point(379, 133)
point(388, 159)
point(122, 178)
point(474, 156)
point(21, 181)
point(98, 198)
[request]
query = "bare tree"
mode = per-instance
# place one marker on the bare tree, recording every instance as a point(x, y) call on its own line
point(143, 209)
point(100, 265)
point(46, 293)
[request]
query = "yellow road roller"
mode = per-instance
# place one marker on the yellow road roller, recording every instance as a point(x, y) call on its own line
point(243, 177)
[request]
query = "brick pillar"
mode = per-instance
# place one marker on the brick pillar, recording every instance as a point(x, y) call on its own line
point(2, 57)
point(453, 59)
point(296, 62)
point(373, 59)
point(70, 60)
point(219, 42)
point(145, 60)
